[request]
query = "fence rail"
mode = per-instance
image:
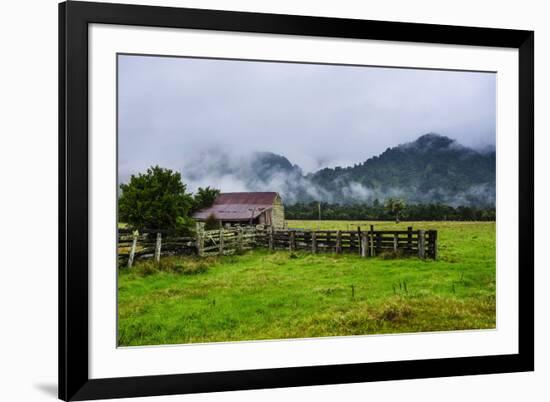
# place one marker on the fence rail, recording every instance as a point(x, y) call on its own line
point(366, 243)
point(225, 241)
point(152, 243)
point(229, 241)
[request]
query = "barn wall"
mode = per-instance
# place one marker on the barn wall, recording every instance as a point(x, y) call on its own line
point(278, 213)
point(264, 218)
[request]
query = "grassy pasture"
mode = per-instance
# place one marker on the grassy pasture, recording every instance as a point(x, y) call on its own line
point(274, 295)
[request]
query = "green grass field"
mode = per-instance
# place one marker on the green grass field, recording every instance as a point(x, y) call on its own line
point(273, 295)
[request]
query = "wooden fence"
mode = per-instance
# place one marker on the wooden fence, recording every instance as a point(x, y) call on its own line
point(229, 241)
point(422, 243)
point(133, 245)
point(225, 241)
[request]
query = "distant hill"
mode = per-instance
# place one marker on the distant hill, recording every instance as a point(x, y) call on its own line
point(431, 169)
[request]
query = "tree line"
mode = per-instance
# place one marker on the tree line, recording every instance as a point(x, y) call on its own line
point(388, 211)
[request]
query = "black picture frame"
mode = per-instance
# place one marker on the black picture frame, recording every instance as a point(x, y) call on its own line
point(74, 381)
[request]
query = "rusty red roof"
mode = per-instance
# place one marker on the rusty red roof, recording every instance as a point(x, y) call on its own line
point(263, 198)
point(238, 206)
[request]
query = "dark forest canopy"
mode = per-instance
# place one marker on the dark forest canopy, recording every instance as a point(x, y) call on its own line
point(377, 211)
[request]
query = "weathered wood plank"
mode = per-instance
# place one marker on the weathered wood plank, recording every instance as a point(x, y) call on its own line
point(133, 250)
point(158, 247)
point(363, 245)
point(421, 244)
point(372, 252)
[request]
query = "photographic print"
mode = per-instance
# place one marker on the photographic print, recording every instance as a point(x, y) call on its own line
point(264, 200)
point(251, 201)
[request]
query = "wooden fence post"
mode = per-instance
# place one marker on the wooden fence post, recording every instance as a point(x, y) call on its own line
point(409, 239)
point(202, 243)
point(271, 245)
point(372, 240)
point(363, 245)
point(359, 240)
point(338, 242)
point(395, 240)
point(291, 241)
point(199, 241)
point(133, 249)
point(221, 242)
point(158, 246)
point(313, 242)
point(421, 244)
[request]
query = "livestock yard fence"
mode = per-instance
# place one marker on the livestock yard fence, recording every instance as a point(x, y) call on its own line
point(134, 245)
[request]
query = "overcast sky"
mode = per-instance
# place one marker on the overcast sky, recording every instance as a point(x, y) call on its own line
point(173, 109)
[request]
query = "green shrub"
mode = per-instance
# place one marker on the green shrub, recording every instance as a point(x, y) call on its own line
point(211, 223)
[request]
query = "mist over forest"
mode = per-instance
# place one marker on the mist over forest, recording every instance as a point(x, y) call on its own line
point(433, 169)
point(312, 132)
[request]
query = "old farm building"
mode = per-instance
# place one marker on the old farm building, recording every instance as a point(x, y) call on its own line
point(264, 208)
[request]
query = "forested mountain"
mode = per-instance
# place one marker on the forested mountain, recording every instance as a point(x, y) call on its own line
point(433, 169)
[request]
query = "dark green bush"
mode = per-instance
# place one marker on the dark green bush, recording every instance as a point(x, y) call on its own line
point(211, 223)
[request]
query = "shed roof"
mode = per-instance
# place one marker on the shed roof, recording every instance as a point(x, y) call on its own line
point(238, 206)
point(262, 198)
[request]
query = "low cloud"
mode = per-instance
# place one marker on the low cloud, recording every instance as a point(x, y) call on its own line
point(240, 173)
point(172, 109)
point(209, 119)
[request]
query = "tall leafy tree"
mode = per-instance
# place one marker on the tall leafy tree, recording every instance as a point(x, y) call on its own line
point(395, 206)
point(205, 197)
point(156, 199)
